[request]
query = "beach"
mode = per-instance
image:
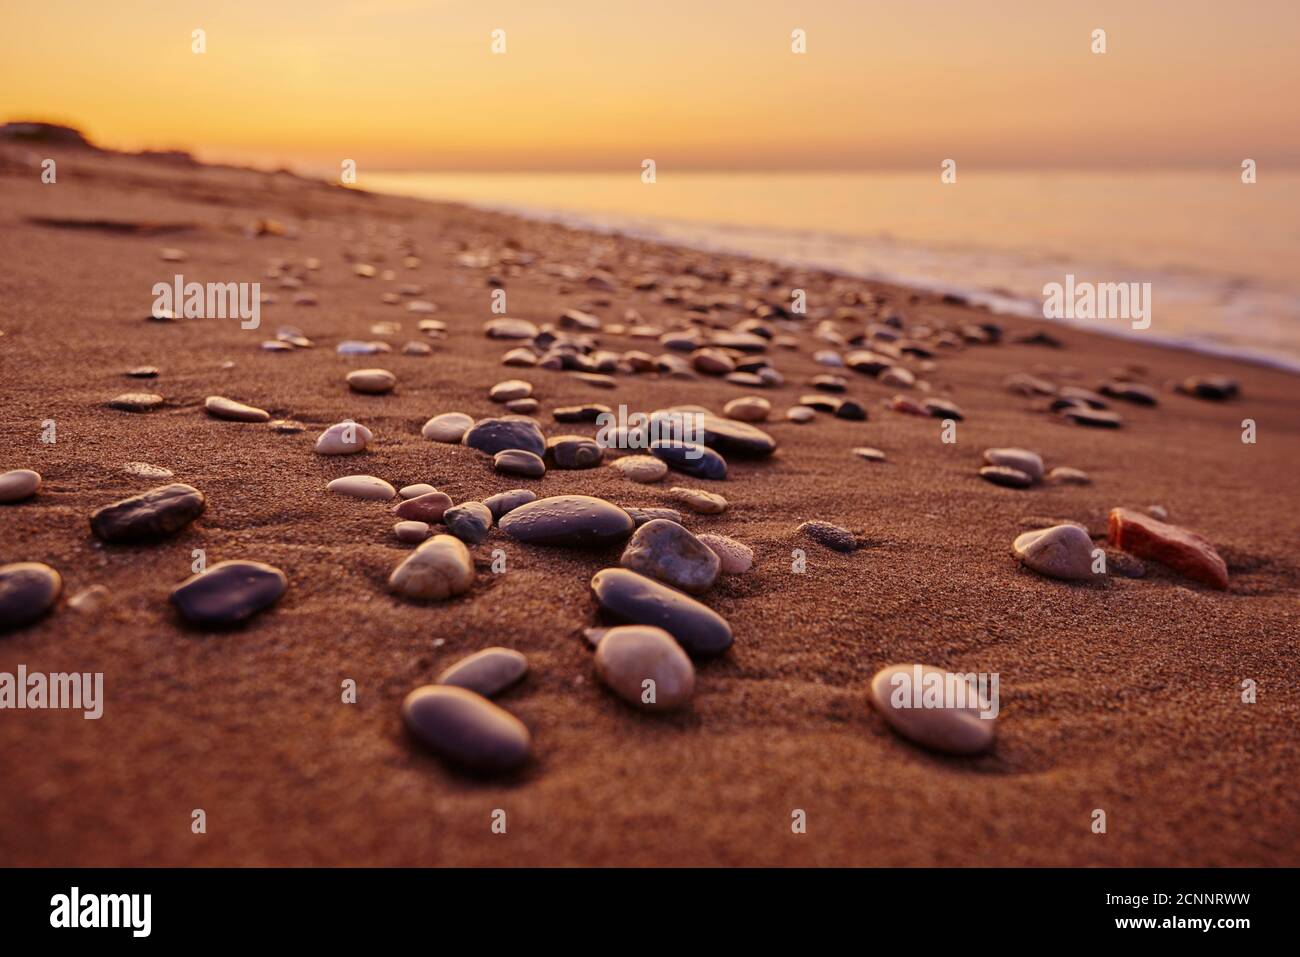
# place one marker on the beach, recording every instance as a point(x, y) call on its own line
point(1124, 695)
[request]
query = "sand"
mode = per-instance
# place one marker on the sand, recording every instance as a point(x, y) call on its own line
point(1123, 697)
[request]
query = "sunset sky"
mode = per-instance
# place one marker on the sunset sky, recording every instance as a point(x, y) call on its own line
point(602, 84)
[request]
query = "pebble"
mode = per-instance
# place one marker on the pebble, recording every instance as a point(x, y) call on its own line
point(509, 329)
point(724, 435)
point(356, 347)
point(749, 408)
point(1121, 563)
point(468, 521)
point(568, 520)
point(691, 458)
point(640, 468)
point(509, 390)
point(448, 427)
point(519, 462)
point(1185, 552)
point(136, 401)
point(371, 381)
point(487, 672)
point(642, 515)
point(90, 600)
point(467, 729)
point(1096, 418)
point(1029, 463)
point(146, 471)
point(597, 380)
point(428, 507)
point(154, 514)
point(143, 372)
point(852, 410)
point(437, 569)
point(632, 597)
point(698, 500)
point(509, 432)
point(523, 406)
point(1217, 388)
point(668, 552)
point(589, 412)
point(1062, 551)
point(897, 377)
point(362, 486)
point(948, 728)
point(343, 438)
point(416, 348)
point(1006, 476)
point(27, 591)
point(411, 532)
point(219, 407)
point(286, 426)
point(503, 503)
point(1064, 475)
point(1130, 392)
point(800, 414)
point(573, 452)
point(832, 536)
point(414, 491)
point(519, 357)
point(735, 557)
point(18, 484)
point(870, 454)
point(645, 667)
point(942, 409)
point(229, 592)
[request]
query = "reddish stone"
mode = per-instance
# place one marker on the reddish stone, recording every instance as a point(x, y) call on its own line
point(1183, 551)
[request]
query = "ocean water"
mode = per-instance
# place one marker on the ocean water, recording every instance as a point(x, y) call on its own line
point(1222, 257)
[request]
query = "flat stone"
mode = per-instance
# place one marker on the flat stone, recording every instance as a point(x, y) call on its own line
point(632, 597)
point(735, 557)
point(748, 408)
point(573, 452)
point(411, 532)
point(588, 412)
point(357, 347)
point(1062, 551)
point(1022, 460)
point(691, 458)
point(428, 507)
point(509, 432)
point(144, 470)
point(371, 381)
point(943, 409)
point(468, 521)
point(154, 514)
point(1185, 552)
point(800, 414)
point(868, 453)
point(1130, 392)
point(18, 484)
point(596, 379)
point(899, 694)
point(1095, 418)
point(510, 389)
point(698, 500)
point(343, 438)
point(219, 407)
point(229, 592)
point(448, 427)
point(416, 490)
point(519, 357)
point(487, 672)
point(832, 536)
point(897, 377)
point(852, 410)
point(439, 568)
point(27, 591)
point(668, 552)
point(466, 728)
point(503, 503)
point(142, 372)
point(1218, 388)
point(725, 435)
point(523, 406)
point(1063, 475)
point(519, 462)
point(640, 468)
point(568, 520)
point(1006, 476)
point(286, 426)
point(362, 486)
point(90, 600)
point(645, 667)
point(509, 329)
point(136, 401)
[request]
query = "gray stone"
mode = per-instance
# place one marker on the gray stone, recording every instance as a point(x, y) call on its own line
point(154, 514)
point(645, 667)
point(668, 552)
point(27, 591)
point(629, 596)
point(466, 728)
point(568, 520)
point(229, 592)
point(487, 672)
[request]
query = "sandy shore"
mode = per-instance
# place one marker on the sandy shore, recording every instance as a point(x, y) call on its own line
point(1123, 696)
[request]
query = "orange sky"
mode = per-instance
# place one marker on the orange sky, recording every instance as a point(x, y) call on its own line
point(602, 84)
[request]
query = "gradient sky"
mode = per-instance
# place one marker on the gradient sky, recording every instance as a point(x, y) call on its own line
point(602, 84)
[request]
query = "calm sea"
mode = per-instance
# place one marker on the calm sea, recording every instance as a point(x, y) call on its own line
point(1222, 257)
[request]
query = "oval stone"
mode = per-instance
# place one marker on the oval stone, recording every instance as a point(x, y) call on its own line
point(229, 592)
point(691, 458)
point(1006, 476)
point(466, 728)
point(27, 591)
point(645, 667)
point(1062, 551)
point(468, 521)
point(154, 514)
point(519, 462)
point(832, 536)
point(505, 502)
point(568, 520)
point(19, 484)
point(411, 532)
point(448, 427)
point(632, 597)
point(487, 672)
point(509, 390)
point(343, 438)
point(362, 486)
point(438, 569)
point(509, 432)
point(573, 452)
point(736, 557)
point(954, 727)
point(749, 408)
point(428, 507)
point(371, 381)
point(667, 551)
point(1022, 460)
point(699, 501)
point(641, 468)
point(219, 407)
point(136, 401)
point(412, 491)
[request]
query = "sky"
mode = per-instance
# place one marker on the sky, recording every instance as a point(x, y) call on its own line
point(704, 84)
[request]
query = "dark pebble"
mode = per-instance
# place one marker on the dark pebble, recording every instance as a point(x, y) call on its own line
point(573, 452)
point(155, 514)
point(505, 502)
point(468, 521)
point(27, 591)
point(568, 520)
point(466, 728)
point(628, 596)
point(229, 592)
point(509, 432)
point(832, 536)
point(691, 458)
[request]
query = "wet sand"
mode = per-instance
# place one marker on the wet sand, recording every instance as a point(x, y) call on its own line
point(1124, 696)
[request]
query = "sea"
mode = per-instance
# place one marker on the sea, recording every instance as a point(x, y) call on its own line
point(1222, 256)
